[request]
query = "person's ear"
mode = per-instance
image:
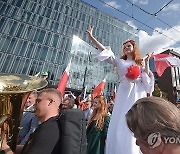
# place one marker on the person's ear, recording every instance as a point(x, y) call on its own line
point(50, 102)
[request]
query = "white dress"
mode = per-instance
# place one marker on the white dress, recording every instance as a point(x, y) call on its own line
point(120, 139)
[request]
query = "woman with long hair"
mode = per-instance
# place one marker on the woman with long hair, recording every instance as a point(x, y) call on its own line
point(97, 126)
point(135, 81)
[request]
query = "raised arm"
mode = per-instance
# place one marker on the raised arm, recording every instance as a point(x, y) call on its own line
point(93, 39)
point(147, 64)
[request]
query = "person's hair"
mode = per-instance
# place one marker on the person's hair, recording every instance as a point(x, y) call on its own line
point(136, 53)
point(52, 91)
point(71, 102)
point(34, 93)
point(99, 113)
point(153, 115)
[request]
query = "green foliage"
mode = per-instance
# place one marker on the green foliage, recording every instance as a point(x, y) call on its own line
point(158, 93)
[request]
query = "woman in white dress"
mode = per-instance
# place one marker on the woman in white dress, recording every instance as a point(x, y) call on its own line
point(136, 82)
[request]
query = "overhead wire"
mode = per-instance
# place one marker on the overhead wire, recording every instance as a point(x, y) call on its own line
point(155, 14)
point(167, 24)
point(139, 21)
point(139, 7)
point(163, 7)
point(133, 16)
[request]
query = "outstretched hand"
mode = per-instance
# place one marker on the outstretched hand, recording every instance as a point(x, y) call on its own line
point(90, 30)
point(148, 56)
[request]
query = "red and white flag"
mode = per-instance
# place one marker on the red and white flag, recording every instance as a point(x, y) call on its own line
point(162, 61)
point(99, 88)
point(64, 79)
point(114, 93)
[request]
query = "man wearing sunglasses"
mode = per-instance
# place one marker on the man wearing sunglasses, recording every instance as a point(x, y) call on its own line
point(46, 137)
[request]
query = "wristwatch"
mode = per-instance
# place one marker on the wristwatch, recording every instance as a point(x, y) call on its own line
point(5, 151)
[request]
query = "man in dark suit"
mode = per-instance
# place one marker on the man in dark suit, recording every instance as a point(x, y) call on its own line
point(29, 121)
point(50, 136)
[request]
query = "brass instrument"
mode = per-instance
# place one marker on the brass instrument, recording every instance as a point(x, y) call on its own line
point(14, 90)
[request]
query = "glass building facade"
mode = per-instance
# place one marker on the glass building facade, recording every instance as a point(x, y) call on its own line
point(38, 35)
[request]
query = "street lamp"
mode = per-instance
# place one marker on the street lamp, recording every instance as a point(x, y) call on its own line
point(86, 69)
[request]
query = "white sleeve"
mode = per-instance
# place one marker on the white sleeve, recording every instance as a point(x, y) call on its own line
point(148, 81)
point(107, 55)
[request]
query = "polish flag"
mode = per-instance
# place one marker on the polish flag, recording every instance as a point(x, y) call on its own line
point(64, 78)
point(162, 61)
point(99, 88)
point(114, 93)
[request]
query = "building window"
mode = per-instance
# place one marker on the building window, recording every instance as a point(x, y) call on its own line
point(15, 65)
point(33, 67)
point(11, 45)
point(14, 12)
point(48, 38)
point(21, 66)
point(18, 46)
point(53, 57)
point(48, 12)
point(20, 30)
point(30, 50)
point(39, 67)
point(7, 27)
point(13, 28)
point(25, 4)
point(7, 62)
point(55, 40)
point(36, 35)
point(33, 7)
point(23, 48)
point(6, 43)
point(41, 36)
point(38, 9)
point(3, 8)
point(44, 52)
point(28, 32)
point(37, 52)
point(56, 6)
point(59, 57)
point(39, 20)
point(2, 21)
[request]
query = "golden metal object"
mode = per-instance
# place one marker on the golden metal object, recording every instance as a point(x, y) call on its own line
point(14, 90)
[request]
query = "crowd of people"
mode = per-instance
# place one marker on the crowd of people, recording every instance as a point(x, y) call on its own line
point(135, 122)
point(148, 115)
point(39, 130)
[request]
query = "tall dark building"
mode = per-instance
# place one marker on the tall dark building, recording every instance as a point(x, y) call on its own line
point(37, 35)
point(169, 82)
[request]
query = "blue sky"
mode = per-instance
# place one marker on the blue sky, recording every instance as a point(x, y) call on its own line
point(149, 39)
